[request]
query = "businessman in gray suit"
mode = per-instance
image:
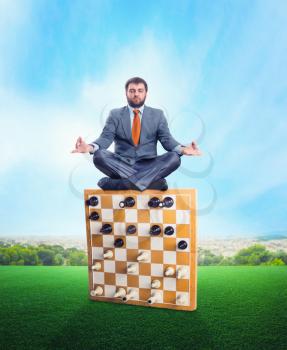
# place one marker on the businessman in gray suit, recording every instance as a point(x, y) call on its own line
point(135, 130)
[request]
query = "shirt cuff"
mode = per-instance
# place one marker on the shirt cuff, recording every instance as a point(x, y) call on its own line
point(95, 147)
point(177, 149)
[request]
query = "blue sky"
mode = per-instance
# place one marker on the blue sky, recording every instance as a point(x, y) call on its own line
point(217, 69)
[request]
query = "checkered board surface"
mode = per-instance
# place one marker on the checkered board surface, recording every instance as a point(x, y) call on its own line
point(162, 249)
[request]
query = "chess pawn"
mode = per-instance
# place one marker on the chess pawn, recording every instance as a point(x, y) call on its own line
point(182, 245)
point(132, 268)
point(155, 284)
point(167, 202)
point(92, 201)
point(98, 291)
point(97, 266)
point(119, 242)
point(108, 254)
point(154, 202)
point(181, 299)
point(131, 229)
point(130, 295)
point(169, 230)
point(120, 293)
point(155, 298)
point(143, 256)
point(169, 271)
point(182, 272)
point(127, 202)
point(155, 230)
point(106, 229)
point(94, 216)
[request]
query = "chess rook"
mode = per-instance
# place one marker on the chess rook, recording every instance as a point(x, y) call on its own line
point(182, 245)
point(155, 284)
point(130, 295)
point(131, 229)
point(169, 271)
point(143, 256)
point(92, 201)
point(127, 202)
point(98, 291)
point(169, 230)
point(120, 293)
point(97, 266)
point(106, 229)
point(155, 298)
point(119, 242)
point(154, 202)
point(155, 230)
point(94, 216)
point(108, 254)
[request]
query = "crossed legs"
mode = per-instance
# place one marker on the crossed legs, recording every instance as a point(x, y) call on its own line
point(142, 173)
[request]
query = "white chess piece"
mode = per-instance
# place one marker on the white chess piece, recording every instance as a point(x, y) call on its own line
point(155, 284)
point(132, 268)
point(143, 256)
point(182, 272)
point(169, 271)
point(130, 295)
point(108, 254)
point(120, 293)
point(98, 291)
point(97, 266)
point(155, 298)
point(181, 299)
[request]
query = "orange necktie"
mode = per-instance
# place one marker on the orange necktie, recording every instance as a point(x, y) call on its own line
point(136, 128)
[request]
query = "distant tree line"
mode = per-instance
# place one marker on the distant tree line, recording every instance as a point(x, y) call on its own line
point(256, 254)
point(42, 254)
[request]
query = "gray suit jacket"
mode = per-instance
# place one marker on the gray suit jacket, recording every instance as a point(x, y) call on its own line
point(153, 128)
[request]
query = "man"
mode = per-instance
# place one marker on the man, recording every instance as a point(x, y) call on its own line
point(135, 129)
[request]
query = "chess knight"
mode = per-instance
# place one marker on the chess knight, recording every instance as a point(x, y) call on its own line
point(135, 130)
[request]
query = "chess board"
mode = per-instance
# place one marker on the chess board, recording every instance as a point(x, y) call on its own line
point(162, 250)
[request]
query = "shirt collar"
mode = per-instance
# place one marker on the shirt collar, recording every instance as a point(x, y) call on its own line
point(131, 109)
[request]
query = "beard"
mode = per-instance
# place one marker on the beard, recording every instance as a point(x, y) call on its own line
point(135, 105)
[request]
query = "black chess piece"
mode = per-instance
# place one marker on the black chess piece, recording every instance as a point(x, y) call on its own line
point(131, 229)
point(182, 245)
point(119, 242)
point(155, 230)
point(92, 201)
point(169, 230)
point(154, 202)
point(94, 216)
point(106, 229)
point(167, 202)
point(127, 202)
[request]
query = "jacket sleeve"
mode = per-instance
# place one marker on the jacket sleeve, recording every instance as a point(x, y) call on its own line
point(108, 134)
point(164, 136)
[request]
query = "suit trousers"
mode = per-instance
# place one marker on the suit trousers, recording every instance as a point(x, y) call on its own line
point(142, 173)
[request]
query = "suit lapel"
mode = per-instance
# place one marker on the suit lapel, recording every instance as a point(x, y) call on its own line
point(145, 124)
point(126, 121)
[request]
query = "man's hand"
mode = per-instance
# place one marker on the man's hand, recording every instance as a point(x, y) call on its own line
point(191, 150)
point(82, 147)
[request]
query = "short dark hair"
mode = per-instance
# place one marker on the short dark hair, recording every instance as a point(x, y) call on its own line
point(136, 80)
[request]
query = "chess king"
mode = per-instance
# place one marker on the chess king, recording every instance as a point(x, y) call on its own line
point(135, 130)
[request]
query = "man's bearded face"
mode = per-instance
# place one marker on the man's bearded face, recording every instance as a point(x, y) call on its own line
point(136, 95)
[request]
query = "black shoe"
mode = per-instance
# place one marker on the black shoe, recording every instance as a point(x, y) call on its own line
point(109, 184)
point(160, 184)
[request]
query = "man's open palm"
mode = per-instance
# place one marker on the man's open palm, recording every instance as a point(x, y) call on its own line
point(81, 146)
point(191, 150)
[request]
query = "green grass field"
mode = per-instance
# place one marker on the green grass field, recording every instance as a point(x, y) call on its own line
point(48, 308)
